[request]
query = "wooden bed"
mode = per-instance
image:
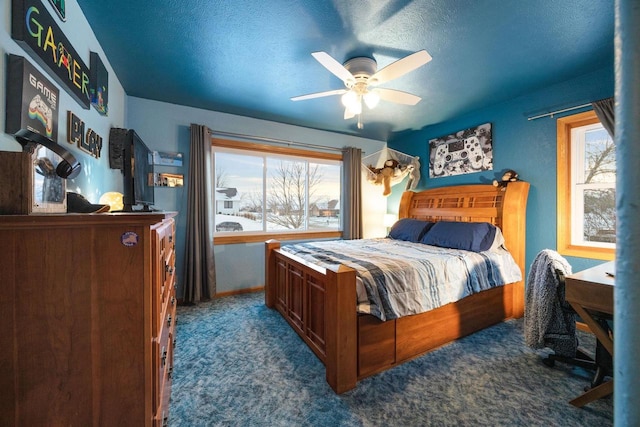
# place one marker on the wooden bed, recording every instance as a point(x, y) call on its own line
point(320, 304)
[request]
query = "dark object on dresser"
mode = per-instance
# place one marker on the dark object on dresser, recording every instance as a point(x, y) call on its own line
point(77, 203)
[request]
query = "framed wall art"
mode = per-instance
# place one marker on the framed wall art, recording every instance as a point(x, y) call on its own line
point(36, 31)
point(99, 85)
point(60, 8)
point(466, 151)
point(32, 100)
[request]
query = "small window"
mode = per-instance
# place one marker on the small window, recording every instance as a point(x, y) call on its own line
point(586, 188)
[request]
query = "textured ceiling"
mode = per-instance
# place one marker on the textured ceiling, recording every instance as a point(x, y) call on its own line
point(249, 57)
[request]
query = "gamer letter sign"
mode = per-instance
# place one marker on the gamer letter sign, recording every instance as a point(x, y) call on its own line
point(37, 32)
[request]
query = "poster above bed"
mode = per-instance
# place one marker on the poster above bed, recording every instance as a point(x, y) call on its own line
point(466, 151)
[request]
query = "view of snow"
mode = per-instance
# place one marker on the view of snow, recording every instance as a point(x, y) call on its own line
point(247, 224)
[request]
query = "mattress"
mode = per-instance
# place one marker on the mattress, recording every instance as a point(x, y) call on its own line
point(396, 278)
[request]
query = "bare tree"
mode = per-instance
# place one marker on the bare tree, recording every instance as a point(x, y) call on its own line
point(600, 215)
point(601, 162)
point(287, 194)
point(252, 201)
point(599, 204)
point(221, 177)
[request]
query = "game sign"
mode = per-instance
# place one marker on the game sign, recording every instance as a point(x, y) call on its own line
point(32, 100)
point(36, 31)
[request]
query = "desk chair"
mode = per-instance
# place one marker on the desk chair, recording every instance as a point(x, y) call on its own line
point(581, 358)
point(550, 321)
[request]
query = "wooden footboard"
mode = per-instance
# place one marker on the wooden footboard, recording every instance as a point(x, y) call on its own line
point(320, 304)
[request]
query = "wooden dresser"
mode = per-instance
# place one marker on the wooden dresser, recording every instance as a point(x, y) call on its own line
point(88, 310)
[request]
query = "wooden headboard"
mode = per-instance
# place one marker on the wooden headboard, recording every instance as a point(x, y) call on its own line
point(504, 207)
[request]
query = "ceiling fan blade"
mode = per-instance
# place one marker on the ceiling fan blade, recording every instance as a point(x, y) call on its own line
point(397, 96)
point(400, 67)
point(319, 94)
point(334, 66)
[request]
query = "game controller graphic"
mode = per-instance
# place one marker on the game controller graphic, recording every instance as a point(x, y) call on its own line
point(467, 151)
point(39, 110)
point(439, 159)
point(474, 152)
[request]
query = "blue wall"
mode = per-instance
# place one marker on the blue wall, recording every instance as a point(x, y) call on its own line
point(528, 147)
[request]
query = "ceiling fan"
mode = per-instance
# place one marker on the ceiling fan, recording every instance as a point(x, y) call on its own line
point(361, 78)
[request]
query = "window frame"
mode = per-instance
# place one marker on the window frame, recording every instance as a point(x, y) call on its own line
point(564, 187)
point(252, 237)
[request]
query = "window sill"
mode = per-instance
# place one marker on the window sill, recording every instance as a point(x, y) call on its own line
point(232, 238)
point(588, 252)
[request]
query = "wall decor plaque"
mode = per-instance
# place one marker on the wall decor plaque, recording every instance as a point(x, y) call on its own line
point(32, 100)
point(59, 6)
point(92, 143)
point(36, 31)
point(75, 129)
point(99, 79)
point(466, 151)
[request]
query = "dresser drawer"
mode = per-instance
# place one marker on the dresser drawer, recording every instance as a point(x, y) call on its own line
point(169, 278)
point(163, 271)
point(164, 393)
point(162, 412)
point(163, 355)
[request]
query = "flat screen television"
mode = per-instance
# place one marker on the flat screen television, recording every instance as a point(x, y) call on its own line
point(130, 154)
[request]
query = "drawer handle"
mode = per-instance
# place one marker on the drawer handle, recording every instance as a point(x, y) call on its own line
point(170, 373)
point(173, 300)
point(168, 269)
point(170, 238)
point(164, 355)
point(169, 320)
point(165, 420)
point(175, 340)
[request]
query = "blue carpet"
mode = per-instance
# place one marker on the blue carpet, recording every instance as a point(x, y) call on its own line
point(232, 355)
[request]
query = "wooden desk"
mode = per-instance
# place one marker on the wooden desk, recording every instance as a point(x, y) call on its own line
point(591, 291)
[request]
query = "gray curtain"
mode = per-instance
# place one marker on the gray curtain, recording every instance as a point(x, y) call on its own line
point(352, 193)
point(199, 268)
point(605, 110)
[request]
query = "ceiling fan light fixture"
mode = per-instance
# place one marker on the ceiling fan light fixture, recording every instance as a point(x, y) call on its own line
point(349, 98)
point(355, 109)
point(352, 101)
point(360, 75)
point(371, 98)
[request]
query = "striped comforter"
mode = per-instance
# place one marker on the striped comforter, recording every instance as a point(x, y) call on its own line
point(399, 278)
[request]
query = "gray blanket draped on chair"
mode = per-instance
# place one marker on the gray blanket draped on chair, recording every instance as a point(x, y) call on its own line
point(549, 321)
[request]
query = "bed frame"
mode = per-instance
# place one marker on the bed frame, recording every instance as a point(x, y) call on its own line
point(320, 304)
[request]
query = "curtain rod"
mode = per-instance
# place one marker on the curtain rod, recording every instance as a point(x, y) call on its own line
point(275, 140)
point(559, 111)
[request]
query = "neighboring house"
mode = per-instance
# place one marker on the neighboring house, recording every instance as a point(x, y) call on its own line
point(325, 209)
point(227, 201)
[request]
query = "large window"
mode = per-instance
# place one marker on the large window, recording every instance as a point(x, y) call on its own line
point(586, 188)
point(261, 189)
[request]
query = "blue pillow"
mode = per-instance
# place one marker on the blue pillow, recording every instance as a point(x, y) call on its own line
point(470, 236)
point(409, 229)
